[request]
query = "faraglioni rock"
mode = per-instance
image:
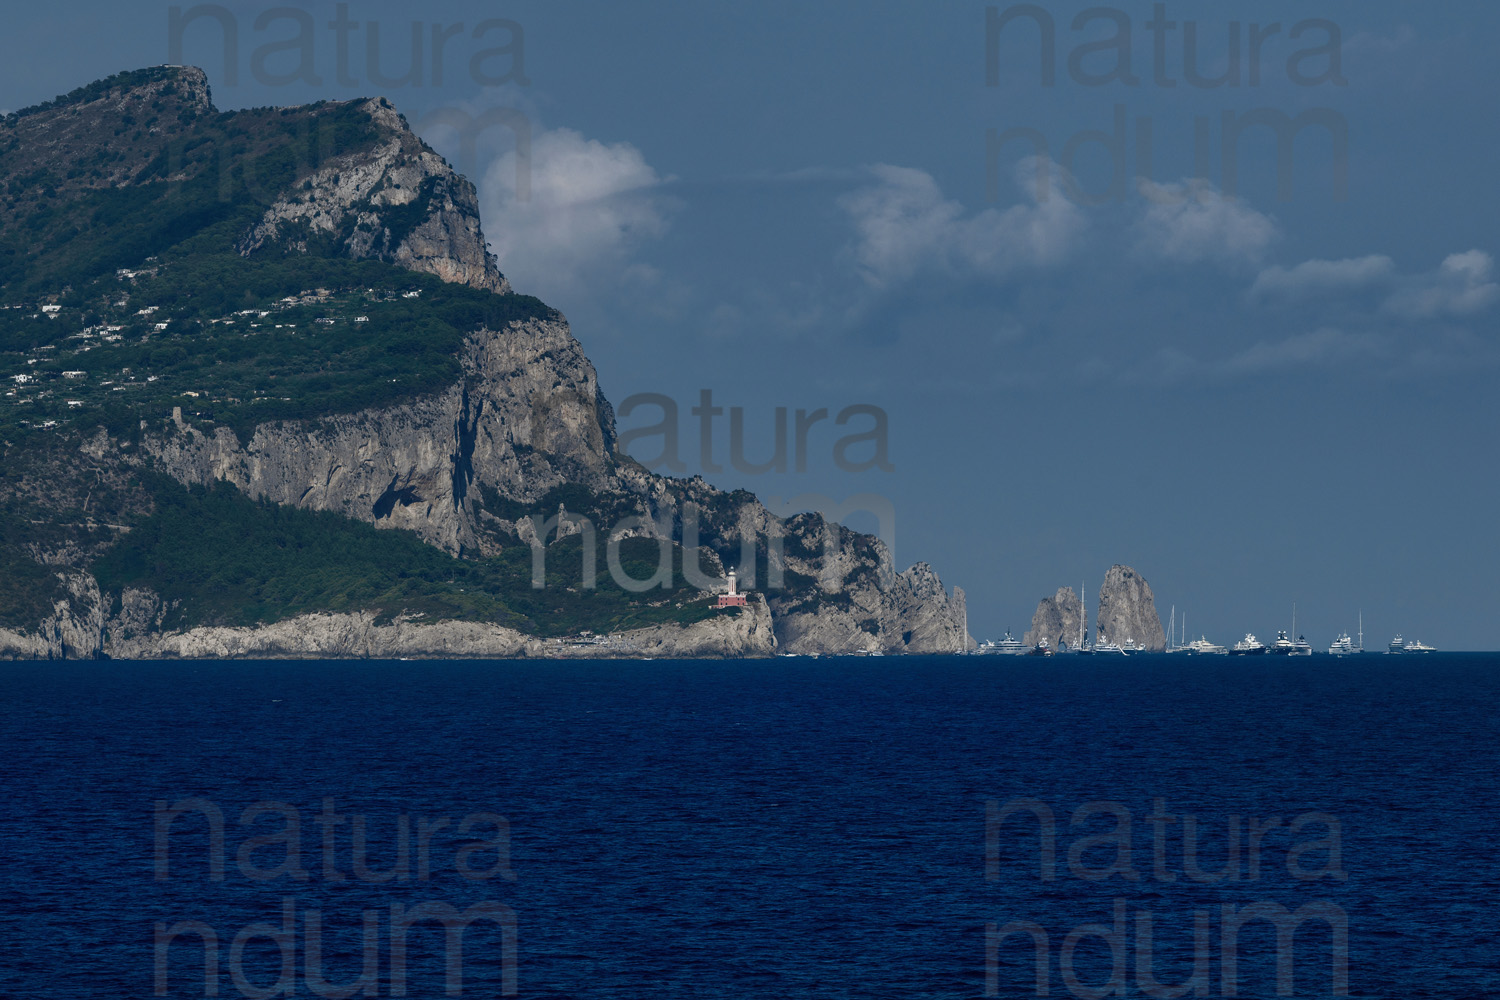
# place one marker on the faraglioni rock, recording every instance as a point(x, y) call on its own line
point(1057, 620)
point(1127, 611)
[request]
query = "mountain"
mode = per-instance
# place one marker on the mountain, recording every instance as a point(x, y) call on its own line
point(1127, 610)
point(268, 394)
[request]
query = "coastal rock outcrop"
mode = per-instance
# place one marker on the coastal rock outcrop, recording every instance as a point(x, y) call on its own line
point(79, 629)
point(1127, 610)
point(528, 416)
point(1058, 619)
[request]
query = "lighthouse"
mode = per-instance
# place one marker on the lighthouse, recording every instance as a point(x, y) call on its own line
point(733, 598)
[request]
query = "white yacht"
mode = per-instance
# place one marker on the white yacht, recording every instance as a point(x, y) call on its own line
point(1346, 646)
point(1301, 647)
point(1202, 647)
point(1248, 646)
point(1399, 645)
point(1010, 646)
point(1101, 646)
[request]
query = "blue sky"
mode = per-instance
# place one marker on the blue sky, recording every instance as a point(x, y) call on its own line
point(1255, 400)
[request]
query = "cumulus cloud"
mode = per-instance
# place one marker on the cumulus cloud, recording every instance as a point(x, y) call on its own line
point(589, 204)
point(1464, 285)
point(903, 224)
point(1321, 277)
point(1192, 222)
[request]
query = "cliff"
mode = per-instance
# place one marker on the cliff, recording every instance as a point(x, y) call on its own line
point(232, 312)
point(1127, 610)
point(1058, 619)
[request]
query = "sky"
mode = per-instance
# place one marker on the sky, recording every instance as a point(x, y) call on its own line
point(1208, 290)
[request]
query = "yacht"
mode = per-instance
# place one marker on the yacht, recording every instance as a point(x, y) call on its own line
point(1010, 646)
point(1346, 646)
point(1286, 646)
point(1101, 646)
point(1202, 647)
point(1399, 645)
point(1248, 646)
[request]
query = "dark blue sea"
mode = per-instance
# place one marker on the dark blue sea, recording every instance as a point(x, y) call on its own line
point(897, 827)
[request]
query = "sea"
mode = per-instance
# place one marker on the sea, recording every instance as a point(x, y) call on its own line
point(897, 827)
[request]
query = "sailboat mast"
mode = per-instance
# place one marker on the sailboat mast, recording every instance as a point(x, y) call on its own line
point(1083, 618)
point(1361, 630)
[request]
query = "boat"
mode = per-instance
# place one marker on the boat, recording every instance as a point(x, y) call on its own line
point(1042, 648)
point(1287, 646)
point(1009, 646)
point(1202, 647)
point(1248, 646)
point(1101, 646)
point(1346, 646)
point(1400, 645)
point(1343, 645)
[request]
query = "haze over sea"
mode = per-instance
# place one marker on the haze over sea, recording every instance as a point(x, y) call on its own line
point(774, 828)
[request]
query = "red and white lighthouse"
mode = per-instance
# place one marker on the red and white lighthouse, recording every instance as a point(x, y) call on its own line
point(733, 598)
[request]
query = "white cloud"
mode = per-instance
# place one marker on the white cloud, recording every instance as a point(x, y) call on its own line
point(904, 225)
point(1192, 222)
point(1318, 277)
point(590, 204)
point(1327, 345)
point(1464, 285)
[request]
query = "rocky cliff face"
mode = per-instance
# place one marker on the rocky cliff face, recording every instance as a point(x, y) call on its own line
point(1127, 610)
point(1057, 619)
point(399, 202)
point(82, 628)
point(527, 416)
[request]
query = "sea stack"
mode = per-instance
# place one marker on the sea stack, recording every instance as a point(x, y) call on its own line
point(1127, 610)
point(1057, 619)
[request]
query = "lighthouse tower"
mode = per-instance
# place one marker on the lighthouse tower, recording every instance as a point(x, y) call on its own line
point(733, 598)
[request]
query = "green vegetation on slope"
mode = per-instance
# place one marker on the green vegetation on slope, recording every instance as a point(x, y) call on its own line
point(224, 559)
point(62, 227)
point(234, 350)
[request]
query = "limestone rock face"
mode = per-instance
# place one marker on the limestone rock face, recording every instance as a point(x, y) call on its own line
point(83, 632)
point(367, 201)
point(1057, 619)
point(527, 417)
point(1127, 610)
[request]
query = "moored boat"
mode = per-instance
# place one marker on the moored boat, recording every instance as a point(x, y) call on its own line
point(1248, 646)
